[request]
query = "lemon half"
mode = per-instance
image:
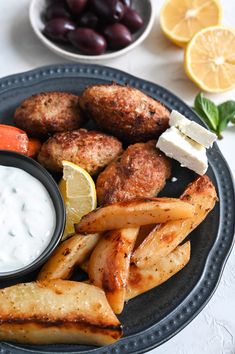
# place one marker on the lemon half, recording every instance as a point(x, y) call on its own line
point(210, 59)
point(181, 19)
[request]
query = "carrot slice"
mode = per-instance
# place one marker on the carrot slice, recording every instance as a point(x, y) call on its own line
point(34, 147)
point(12, 138)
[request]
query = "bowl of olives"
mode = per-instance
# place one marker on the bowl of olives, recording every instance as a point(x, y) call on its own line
point(91, 30)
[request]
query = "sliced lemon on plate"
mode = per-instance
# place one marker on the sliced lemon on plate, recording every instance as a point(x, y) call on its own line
point(210, 59)
point(79, 195)
point(181, 19)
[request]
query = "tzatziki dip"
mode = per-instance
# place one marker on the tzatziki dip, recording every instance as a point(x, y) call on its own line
point(27, 218)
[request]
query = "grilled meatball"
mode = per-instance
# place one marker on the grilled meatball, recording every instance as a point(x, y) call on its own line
point(125, 112)
point(49, 112)
point(141, 171)
point(90, 150)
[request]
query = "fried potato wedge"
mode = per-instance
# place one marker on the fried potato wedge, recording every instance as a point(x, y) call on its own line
point(142, 280)
point(57, 311)
point(84, 266)
point(166, 237)
point(134, 213)
point(109, 265)
point(144, 231)
point(69, 254)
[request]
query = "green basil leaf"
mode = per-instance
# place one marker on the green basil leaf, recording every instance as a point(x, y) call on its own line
point(226, 115)
point(207, 110)
point(227, 111)
point(232, 120)
point(222, 125)
point(198, 107)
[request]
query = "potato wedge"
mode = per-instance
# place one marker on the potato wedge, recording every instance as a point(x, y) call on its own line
point(67, 256)
point(165, 238)
point(85, 265)
point(142, 280)
point(134, 213)
point(57, 311)
point(144, 231)
point(109, 265)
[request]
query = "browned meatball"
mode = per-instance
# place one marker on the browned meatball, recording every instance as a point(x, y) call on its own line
point(49, 112)
point(90, 150)
point(125, 112)
point(141, 171)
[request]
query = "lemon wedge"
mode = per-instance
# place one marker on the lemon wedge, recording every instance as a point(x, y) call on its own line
point(210, 59)
point(79, 195)
point(181, 19)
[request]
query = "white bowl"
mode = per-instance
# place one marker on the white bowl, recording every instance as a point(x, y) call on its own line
point(37, 9)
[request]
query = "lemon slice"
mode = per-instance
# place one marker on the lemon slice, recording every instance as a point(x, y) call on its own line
point(79, 194)
point(210, 59)
point(181, 19)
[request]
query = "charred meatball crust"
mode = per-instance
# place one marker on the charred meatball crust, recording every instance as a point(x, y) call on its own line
point(90, 150)
point(46, 113)
point(141, 171)
point(125, 112)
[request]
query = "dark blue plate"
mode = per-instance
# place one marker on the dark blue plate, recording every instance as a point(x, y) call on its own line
point(157, 315)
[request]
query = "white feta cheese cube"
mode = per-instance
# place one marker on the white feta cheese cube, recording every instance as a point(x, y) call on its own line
point(183, 149)
point(191, 129)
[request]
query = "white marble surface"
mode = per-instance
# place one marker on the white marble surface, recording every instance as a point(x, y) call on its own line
point(157, 60)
